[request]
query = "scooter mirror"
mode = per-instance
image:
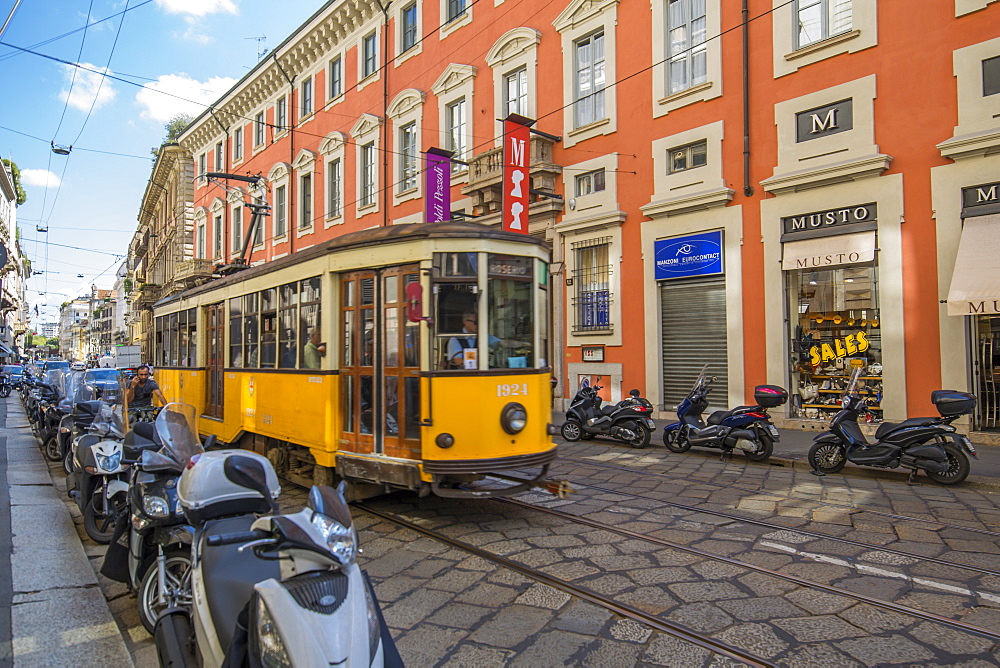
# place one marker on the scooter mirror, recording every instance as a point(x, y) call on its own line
point(249, 473)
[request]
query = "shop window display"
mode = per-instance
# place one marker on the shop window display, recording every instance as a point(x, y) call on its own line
point(834, 328)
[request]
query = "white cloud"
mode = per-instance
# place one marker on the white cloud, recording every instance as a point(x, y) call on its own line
point(191, 96)
point(198, 7)
point(85, 87)
point(41, 178)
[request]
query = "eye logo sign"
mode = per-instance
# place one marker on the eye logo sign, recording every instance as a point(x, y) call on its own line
point(694, 255)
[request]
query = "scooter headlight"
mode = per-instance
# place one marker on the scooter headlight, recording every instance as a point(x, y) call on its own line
point(109, 462)
point(270, 647)
point(513, 418)
point(155, 506)
point(340, 540)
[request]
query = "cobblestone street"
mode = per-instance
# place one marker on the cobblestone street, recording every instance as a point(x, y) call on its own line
point(801, 582)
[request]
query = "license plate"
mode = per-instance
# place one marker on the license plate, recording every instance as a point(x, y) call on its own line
point(650, 423)
point(774, 430)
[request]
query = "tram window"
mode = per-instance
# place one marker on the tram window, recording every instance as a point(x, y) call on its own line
point(348, 385)
point(411, 385)
point(236, 333)
point(251, 331)
point(161, 353)
point(411, 334)
point(192, 337)
point(170, 336)
point(268, 326)
point(457, 317)
point(366, 404)
point(455, 265)
point(310, 331)
point(511, 312)
point(367, 338)
point(288, 324)
point(182, 338)
point(391, 406)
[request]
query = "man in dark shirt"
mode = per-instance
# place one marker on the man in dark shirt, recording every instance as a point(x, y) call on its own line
point(142, 389)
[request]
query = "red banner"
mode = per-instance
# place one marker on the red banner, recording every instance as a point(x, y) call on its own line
point(516, 181)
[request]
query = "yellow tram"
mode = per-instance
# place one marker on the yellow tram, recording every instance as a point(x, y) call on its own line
point(360, 359)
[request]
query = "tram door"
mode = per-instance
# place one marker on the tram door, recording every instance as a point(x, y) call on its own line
point(215, 354)
point(380, 367)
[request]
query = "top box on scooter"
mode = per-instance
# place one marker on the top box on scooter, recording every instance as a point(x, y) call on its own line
point(770, 396)
point(951, 402)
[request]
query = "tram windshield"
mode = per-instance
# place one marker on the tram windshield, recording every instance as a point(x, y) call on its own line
point(490, 293)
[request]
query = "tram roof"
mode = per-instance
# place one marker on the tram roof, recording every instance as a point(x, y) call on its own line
point(375, 235)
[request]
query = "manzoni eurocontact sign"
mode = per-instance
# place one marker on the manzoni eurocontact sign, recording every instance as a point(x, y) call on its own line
point(692, 255)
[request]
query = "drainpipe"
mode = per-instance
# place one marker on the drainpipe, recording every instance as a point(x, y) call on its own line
point(385, 110)
point(747, 187)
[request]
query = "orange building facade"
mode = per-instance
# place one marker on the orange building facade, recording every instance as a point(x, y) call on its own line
point(780, 190)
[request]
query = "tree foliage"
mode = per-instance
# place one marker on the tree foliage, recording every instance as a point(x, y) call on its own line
point(15, 174)
point(174, 127)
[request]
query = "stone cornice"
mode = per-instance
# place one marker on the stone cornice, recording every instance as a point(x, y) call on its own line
point(828, 174)
point(674, 206)
point(971, 145)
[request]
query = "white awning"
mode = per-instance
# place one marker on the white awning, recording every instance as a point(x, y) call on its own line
point(975, 284)
point(830, 251)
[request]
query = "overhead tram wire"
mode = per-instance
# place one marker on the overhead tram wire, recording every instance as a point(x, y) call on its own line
point(75, 148)
point(100, 86)
point(72, 81)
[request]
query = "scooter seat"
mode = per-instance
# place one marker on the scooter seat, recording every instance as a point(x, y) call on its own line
point(230, 575)
point(887, 428)
point(608, 410)
point(718, 416)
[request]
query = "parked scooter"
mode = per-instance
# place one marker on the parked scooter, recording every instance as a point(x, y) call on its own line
point(928, 444)
point(273, 590)
point(746, 428)
point(5, 385)
point(628, 420)
point(152, 552)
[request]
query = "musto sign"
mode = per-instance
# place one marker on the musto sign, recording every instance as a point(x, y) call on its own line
point(692, 255)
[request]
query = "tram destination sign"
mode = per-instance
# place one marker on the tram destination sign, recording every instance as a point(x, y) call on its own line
point(842, 220)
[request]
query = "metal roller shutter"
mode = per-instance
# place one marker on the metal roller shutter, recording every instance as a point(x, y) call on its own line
point(693, 325)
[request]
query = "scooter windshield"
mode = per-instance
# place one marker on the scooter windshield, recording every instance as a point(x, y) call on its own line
point(700, 381)
point(852, 385)
point(56, 379)
point(175, 429)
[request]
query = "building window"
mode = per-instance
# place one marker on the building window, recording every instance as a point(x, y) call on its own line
point(258, 129)
point(817, 20)
point(238, 144)
point(408, 156)
point(280, 211)
point(589, 103)
point(219, 166)
point(202, 166)
point(368, 174)
point(305, 195)
point(218, 236)
point(592, 278)
point(686, 33)
point(991, 76)
point(591, 182)
point(455, 127)
point(370, 62)
point(201, 240)
point(408, 31)
point(515, 92)
point(306, 95)
point(333, 188)
point(281, 113)
point(455, 9)
point(237, 241)
point(336, 77)
point(687, 157)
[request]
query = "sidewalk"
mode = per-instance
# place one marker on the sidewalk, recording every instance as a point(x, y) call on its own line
point(793, 448)
point(58, 615)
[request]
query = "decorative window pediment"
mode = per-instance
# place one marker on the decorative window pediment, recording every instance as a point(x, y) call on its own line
point(235, 195)
point(332, 142)
point(304, 160)
point(367, 124)
point(405, 102)
point(279, 171)
point(511, 45)
point(200, 213)
point(217, 205)
point(453, 76)
point(580, 11)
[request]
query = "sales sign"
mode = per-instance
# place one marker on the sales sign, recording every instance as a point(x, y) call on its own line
point(516, 181)
point(693, 255)
point(437, 185)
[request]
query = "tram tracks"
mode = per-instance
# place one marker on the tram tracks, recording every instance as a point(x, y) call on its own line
point(425, 527)
point(855, 510)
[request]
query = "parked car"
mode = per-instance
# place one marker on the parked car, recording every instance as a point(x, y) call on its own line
point(15, 372)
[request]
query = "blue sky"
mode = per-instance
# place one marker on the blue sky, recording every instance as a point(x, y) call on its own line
point(195, 49)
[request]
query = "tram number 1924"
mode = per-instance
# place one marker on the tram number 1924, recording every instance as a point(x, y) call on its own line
point(512, 390)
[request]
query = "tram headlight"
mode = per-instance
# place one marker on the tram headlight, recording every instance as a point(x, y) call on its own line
point(444, 440)
point(513, 418)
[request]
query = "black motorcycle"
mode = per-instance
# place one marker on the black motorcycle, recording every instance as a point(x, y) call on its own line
point(628, 421)
point(928, 444)
point(746, 428)
point(5, 385)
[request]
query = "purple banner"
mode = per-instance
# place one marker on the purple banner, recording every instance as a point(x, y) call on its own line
point(437, 185)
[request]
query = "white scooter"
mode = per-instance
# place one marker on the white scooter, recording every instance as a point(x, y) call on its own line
point(278, 590)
